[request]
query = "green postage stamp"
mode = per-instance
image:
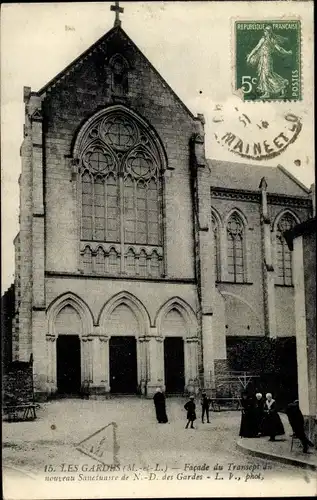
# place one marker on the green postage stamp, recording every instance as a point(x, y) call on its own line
point(268, 60)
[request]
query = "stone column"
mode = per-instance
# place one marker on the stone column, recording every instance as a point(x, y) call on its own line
point(300, 325)
point(104, 363)
point(160, 362)
point(191, 364)
point(51, 382)
point(155, 364)
point(25, 236)
point(90, 354)
point(207, 336)
point(38, 210)
point(268, 270)
point(39, 328)
point(84, 360)
point(143, 361)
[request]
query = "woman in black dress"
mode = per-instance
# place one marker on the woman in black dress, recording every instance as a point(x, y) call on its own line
point(247, 426)
point(160, 406)
point(258, 413)
point(272, 423)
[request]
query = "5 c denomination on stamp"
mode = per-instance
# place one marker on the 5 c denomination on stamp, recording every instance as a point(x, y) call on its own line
point(268, 60)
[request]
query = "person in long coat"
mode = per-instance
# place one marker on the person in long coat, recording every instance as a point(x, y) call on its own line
point(205, 402)
point(160, 406)
point(258, 413)
point(272, 423)
point(296, 421)
point(190, 407)
point(247, 425)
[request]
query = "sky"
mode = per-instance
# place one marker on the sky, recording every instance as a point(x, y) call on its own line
point(190, 43)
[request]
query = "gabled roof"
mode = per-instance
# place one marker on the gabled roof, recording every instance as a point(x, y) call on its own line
point(225, 174)
point(105, 38)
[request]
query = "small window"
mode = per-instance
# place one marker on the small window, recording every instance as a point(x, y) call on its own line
point(119, 74)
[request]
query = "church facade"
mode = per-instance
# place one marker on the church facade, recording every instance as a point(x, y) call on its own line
point(138, 260)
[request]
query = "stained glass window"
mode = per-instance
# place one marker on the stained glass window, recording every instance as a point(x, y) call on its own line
point(121, 188)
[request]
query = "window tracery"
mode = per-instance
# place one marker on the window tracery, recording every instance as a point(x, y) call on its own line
point(235, 248)
point(121, 191)
point(283, 254)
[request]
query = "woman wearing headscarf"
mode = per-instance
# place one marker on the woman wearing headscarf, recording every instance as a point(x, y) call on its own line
point(160, 406)
point(258, 413)
point(272, 423)
point(247, 426)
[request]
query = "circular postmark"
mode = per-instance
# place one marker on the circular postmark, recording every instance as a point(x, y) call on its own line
point(253, 136)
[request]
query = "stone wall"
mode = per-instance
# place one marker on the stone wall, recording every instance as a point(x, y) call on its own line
point(18, 383)
point(83, 92)
point(7, 315)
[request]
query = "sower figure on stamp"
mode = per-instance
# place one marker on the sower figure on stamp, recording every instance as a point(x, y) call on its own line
point(205, 402)
point(160, 406)
point(270, 83)
point(190, 407)
point(296, 421)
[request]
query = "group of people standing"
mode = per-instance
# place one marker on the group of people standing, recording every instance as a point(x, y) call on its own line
point(190, 407)
point(260, 417)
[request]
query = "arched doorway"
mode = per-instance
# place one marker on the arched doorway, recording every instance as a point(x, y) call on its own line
point(123, 364)
point(173, 329)
point(123, 328)
point(68, 327)
point(68, 365)
point(174, 371)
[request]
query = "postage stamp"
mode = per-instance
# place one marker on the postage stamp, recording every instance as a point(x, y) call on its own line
point(268, 60)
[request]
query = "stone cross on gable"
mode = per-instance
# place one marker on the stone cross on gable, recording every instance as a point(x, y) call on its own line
point(118, 10)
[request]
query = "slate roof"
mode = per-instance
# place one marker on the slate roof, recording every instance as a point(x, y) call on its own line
point(242, 176)
point(117, 31)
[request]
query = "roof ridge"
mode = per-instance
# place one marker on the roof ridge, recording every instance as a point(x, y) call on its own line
point(70, 67)
point(293, 178)
point(74, 63)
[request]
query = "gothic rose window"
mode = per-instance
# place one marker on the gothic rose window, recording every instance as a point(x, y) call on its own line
point(235, 248)
point(284, 271)
point(121, 194)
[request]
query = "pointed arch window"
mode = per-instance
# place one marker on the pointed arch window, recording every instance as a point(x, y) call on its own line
point(119, 74)
point(100, 261)
point(284, 264)
point(216, 246)
point(142, 264)
point(120, 170)
point(87, 260)
point(235, 248)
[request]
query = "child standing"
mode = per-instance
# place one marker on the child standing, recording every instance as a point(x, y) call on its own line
point(190, 407)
